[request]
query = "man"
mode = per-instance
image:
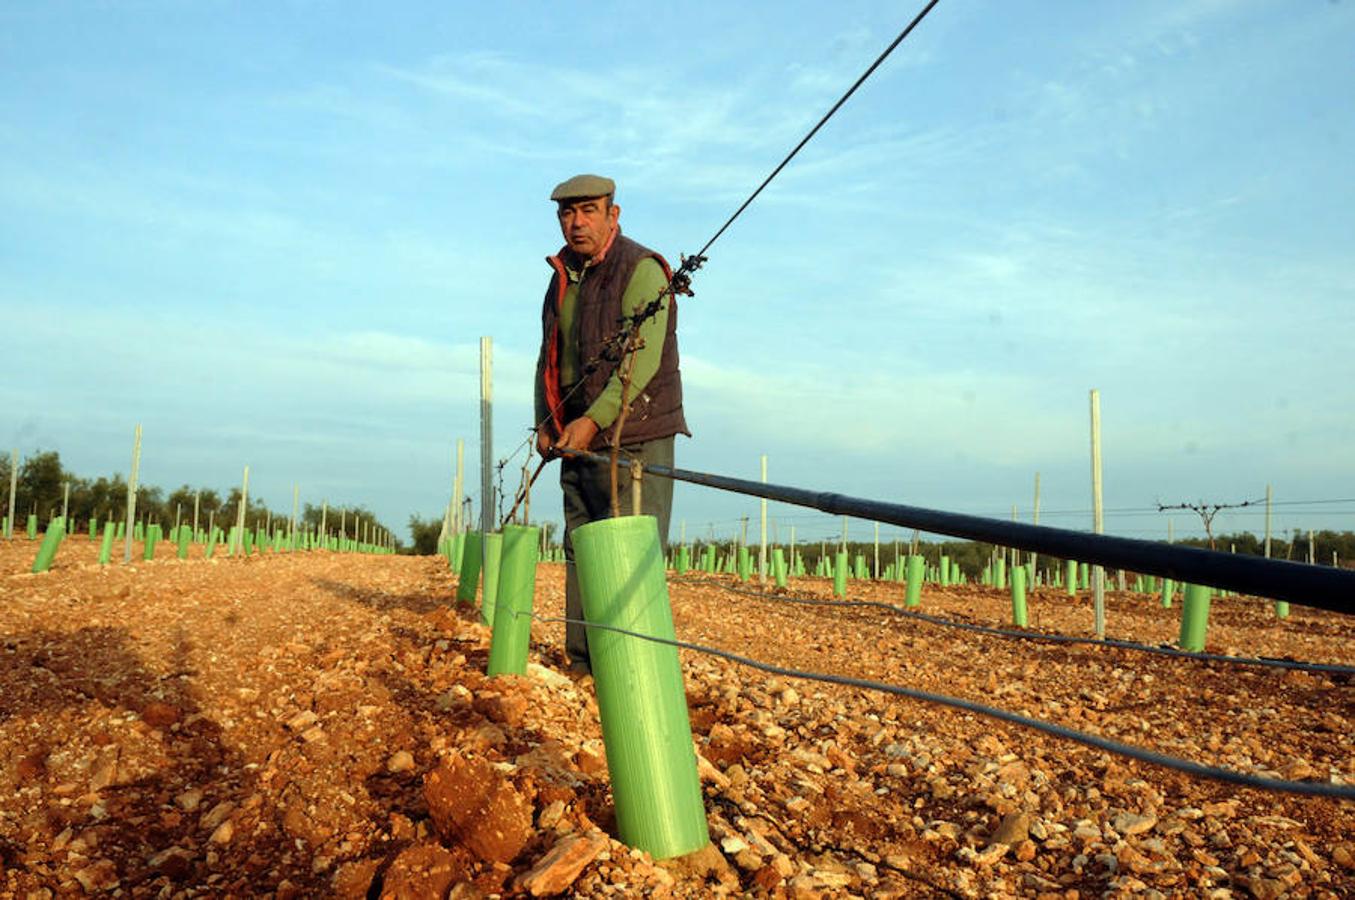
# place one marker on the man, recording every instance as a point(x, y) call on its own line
point(600, 276)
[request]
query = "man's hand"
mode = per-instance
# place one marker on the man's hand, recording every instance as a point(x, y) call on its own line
point(578, 435)
point(544, 443)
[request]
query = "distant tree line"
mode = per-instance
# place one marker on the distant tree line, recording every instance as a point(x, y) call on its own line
point(42, 483)
point(424, 534)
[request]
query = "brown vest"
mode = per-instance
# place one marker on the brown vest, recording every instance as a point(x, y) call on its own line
point(657, 411)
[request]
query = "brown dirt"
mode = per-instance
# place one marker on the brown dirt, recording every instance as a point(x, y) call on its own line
point(268, 727)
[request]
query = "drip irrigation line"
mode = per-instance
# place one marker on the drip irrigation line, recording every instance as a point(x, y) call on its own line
point(907, 30)
point(1118, 643)
point(1198, 770)
point(1320, 587)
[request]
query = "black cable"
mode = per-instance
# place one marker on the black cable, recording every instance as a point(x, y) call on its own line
point(680, 281)
point(1320, 587)
point(1199, 770)
point(1118, 643)
point(826, 116)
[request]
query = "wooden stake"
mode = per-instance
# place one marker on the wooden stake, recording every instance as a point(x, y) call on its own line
point(240, 512)
point(877, 551)
point(1035, 518)
point(131, 496)
point(66, 505)
point(1268, 502)
point(762, 553)
point(486, 439)
point(197, 496)
point(1098, 522)
point(13, 483)
point(636, 475)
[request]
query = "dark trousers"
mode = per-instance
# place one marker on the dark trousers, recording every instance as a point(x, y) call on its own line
point(588, 498)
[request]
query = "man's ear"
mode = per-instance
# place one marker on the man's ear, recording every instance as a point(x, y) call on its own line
point(614, 213)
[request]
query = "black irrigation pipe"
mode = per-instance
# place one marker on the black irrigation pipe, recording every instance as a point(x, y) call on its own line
point(1199, 770)
point(1319, 587)
point(1136, 646)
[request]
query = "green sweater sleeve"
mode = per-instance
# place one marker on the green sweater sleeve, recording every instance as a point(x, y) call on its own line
point(644, 286)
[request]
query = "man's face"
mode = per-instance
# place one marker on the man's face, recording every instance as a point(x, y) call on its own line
point(586, 224)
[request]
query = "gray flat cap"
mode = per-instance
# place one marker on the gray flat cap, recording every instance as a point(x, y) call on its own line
point(583, 186)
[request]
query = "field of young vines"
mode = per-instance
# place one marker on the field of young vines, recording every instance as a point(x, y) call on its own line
point(319, 724)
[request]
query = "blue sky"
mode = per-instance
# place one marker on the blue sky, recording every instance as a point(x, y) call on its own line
point(274, 233)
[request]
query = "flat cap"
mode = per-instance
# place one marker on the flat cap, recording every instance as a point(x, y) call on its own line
point(583, 186)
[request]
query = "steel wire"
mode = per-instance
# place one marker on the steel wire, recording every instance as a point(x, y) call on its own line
point(1198, 770)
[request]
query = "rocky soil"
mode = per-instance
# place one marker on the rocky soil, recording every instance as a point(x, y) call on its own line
point(320, 725)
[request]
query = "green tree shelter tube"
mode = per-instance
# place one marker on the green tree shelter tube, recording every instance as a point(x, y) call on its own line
point(1194, 617)
point(641, 699)
point(1168, 588)
point(943, 571)
point(51, 540)
point(106, 548)
point(152, 536)
point(1281, 609)
point(492, 545)
point(1019, 596)
point(470, 568)
point(513, 607)
point(779, 566)
point(184, 535)
point(684, 560)
point(917, 570)
point(32, 526)
point(840, 575)
point(1070, 577)
point(745, 564)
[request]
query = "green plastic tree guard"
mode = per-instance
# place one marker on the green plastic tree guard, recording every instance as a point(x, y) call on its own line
point(106, 548)
point(1000, 575)
point(93, 528)
point(840, 575)
point(470, 568)
point(916, 570)
point(1084, 576)
point(51, 540)
point(779, 566)
point(684, 559)
point(513, 607)
point(641, 700)
point(1281, 609)
point(1194, 617)
point(1168, 589)
point(860, 568)
point(955, 576)
point(1019, 596)
point(745, 564)
point(184, 535)
point(211, 542)
point(943, 571)
point(1070, 577)
point(489, 594)
point(152, 537)
point(32, 526)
